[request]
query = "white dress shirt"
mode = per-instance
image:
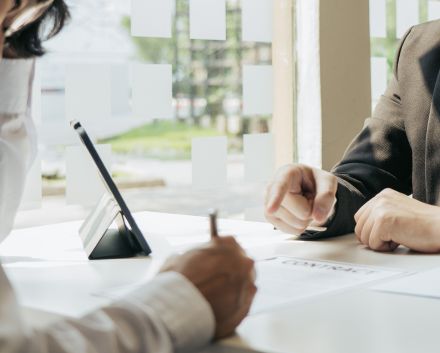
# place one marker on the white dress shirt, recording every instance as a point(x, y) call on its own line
point(167, 314)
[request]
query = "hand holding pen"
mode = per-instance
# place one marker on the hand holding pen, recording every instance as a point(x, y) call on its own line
point(223, 274)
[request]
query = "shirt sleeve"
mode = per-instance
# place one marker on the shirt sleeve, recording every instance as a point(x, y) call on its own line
point(166, 315)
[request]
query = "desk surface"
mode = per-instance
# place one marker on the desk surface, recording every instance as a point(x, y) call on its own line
point(357, 320)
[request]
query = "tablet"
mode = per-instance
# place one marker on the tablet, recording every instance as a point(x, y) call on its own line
point(135, 236)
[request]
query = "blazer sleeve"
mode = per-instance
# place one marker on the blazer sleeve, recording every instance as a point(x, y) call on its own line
point(378, 158)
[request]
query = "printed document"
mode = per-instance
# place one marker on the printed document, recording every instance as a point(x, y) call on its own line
point(283, 280)
point(423, 284)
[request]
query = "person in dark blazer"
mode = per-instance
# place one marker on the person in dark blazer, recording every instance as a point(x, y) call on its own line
point(387, 187)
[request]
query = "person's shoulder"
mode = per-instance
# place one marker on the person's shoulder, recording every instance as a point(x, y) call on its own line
point(418, 57)
point(426, 34)
point(430, 27)
point(421, 46)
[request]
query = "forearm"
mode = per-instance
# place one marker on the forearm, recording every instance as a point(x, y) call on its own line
point(379, 158)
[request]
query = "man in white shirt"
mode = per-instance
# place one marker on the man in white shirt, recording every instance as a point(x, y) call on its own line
point(199, 296)
point(202, 295)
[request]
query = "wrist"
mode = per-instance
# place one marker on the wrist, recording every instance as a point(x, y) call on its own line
point(330, 217)
point(434, 230)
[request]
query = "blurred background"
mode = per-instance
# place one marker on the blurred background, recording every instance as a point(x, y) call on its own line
point(151, 158)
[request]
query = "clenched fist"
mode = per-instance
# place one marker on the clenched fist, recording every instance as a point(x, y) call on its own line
point(300, 196)
point(224, 275)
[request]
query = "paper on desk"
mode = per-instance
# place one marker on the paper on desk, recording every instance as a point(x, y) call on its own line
point(423, 284)
point(282, 280)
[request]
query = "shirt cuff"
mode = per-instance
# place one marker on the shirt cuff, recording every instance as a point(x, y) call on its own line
point(185, 313)
point(342, 221)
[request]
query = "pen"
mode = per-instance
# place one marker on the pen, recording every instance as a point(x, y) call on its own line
point(213, 224)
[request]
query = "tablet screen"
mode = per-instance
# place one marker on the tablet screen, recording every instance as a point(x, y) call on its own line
point(111, 186)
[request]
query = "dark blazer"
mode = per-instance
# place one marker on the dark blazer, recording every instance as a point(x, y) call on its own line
point(399, 147)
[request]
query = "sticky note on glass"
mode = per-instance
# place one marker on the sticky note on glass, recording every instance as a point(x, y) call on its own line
point(209, 158)
point(407, 15)
point(88, 93)
point(257, 90)
point(254, 214)
point(379, 70)
point(53, 107)
point(120, 90)
point(83, 184)
point(152, 91)
point(32, 194)
point(257, 23)
point(207, 19)
point(151, 18)
point(433, 10)
point(378, 18)
point(259, 157)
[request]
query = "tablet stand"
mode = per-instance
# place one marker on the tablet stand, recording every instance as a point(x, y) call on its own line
point(100, 241)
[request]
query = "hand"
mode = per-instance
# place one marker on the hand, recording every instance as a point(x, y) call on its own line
point(300, 196)
point(224, 275)
point(391, 219)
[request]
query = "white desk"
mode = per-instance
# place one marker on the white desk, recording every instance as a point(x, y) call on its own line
point(47, 263)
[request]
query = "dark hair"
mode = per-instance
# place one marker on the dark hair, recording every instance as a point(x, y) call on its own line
point(28, 42)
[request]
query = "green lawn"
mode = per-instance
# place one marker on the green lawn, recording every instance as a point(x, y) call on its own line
point(161, 140)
